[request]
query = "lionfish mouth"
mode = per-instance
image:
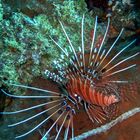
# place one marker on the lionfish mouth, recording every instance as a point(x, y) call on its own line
point(89, 81)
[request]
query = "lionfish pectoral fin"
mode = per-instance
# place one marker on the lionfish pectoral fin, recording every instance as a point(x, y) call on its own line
point(97, 113)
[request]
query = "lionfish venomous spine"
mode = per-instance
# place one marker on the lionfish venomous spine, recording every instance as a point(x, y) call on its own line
point(86, 80)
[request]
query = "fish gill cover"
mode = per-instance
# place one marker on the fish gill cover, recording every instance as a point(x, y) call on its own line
point(67, 73)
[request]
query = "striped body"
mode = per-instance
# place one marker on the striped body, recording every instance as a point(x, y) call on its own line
point(87, 92)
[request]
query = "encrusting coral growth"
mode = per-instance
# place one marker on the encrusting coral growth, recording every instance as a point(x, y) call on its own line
point(26, 49)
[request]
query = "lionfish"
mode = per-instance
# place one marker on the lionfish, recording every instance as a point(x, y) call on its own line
point(87, 81)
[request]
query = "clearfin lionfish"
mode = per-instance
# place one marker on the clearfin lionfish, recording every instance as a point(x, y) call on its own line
point(88, 82)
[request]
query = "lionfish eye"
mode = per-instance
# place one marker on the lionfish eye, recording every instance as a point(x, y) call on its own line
point(75, 95)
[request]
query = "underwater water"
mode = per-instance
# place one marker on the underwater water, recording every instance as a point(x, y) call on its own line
point(69, 70)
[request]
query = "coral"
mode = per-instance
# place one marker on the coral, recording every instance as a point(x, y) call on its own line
point(27, 49)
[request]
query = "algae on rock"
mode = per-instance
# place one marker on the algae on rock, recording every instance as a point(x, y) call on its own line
point(27, 49)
